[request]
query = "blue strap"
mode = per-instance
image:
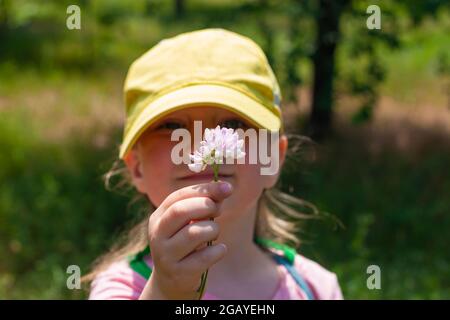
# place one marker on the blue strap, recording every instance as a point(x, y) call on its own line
point(287, 260)
point(294, 273)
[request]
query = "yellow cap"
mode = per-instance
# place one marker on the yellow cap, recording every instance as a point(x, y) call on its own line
point(212, 66)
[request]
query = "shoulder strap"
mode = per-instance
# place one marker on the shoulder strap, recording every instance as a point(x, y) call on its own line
point(287, 260)
point(138, 264)
point(288, 252)
point(295, 275)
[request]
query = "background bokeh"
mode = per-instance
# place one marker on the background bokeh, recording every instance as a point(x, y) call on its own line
point(377, 102)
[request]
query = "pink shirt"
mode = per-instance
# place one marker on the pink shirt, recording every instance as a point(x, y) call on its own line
point(119, 281)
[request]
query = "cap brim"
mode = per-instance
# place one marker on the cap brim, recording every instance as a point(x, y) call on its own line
point(197, 95)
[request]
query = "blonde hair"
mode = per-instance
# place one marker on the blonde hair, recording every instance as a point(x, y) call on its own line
point(278, 218)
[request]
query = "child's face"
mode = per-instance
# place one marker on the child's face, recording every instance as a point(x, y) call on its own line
point(154, 173)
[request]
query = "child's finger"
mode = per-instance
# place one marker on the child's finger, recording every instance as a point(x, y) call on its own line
point(182, 212)
point(191, 237)
point(217, 191)
point(202, 259)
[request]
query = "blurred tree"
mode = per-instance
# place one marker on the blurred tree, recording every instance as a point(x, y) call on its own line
point(262, 12)
point(328, 33)
point(364, 76)
point(362, 83)
point(4, 17)
point(293, 33)
point(149, 7)
point(297, 12)
point(179, 8)
point(417, 10)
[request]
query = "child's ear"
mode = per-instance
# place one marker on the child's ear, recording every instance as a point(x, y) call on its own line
point(283, 144)
point(134, 165)
point(283, 147)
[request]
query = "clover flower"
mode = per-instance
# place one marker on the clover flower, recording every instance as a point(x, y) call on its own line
point(219, 144)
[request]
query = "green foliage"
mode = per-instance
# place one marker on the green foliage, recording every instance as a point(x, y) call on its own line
point(54, 210)
point(394, 214)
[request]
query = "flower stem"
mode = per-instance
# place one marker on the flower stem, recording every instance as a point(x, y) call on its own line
point(204, 277)
point(216, 172)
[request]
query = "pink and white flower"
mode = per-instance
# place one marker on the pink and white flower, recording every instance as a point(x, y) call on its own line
point(219, 144)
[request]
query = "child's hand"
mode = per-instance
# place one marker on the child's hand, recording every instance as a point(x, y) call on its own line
point(175, 234)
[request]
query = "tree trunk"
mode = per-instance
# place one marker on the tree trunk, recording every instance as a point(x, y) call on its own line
point(179, 8)
point(4, 15)
point(4, 27)
point(324, 67)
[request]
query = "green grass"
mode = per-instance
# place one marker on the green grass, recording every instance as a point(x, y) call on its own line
point(395, 214)
point(60, 117)
point(54, 210)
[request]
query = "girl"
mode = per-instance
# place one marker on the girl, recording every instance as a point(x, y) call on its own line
point(219, 78)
